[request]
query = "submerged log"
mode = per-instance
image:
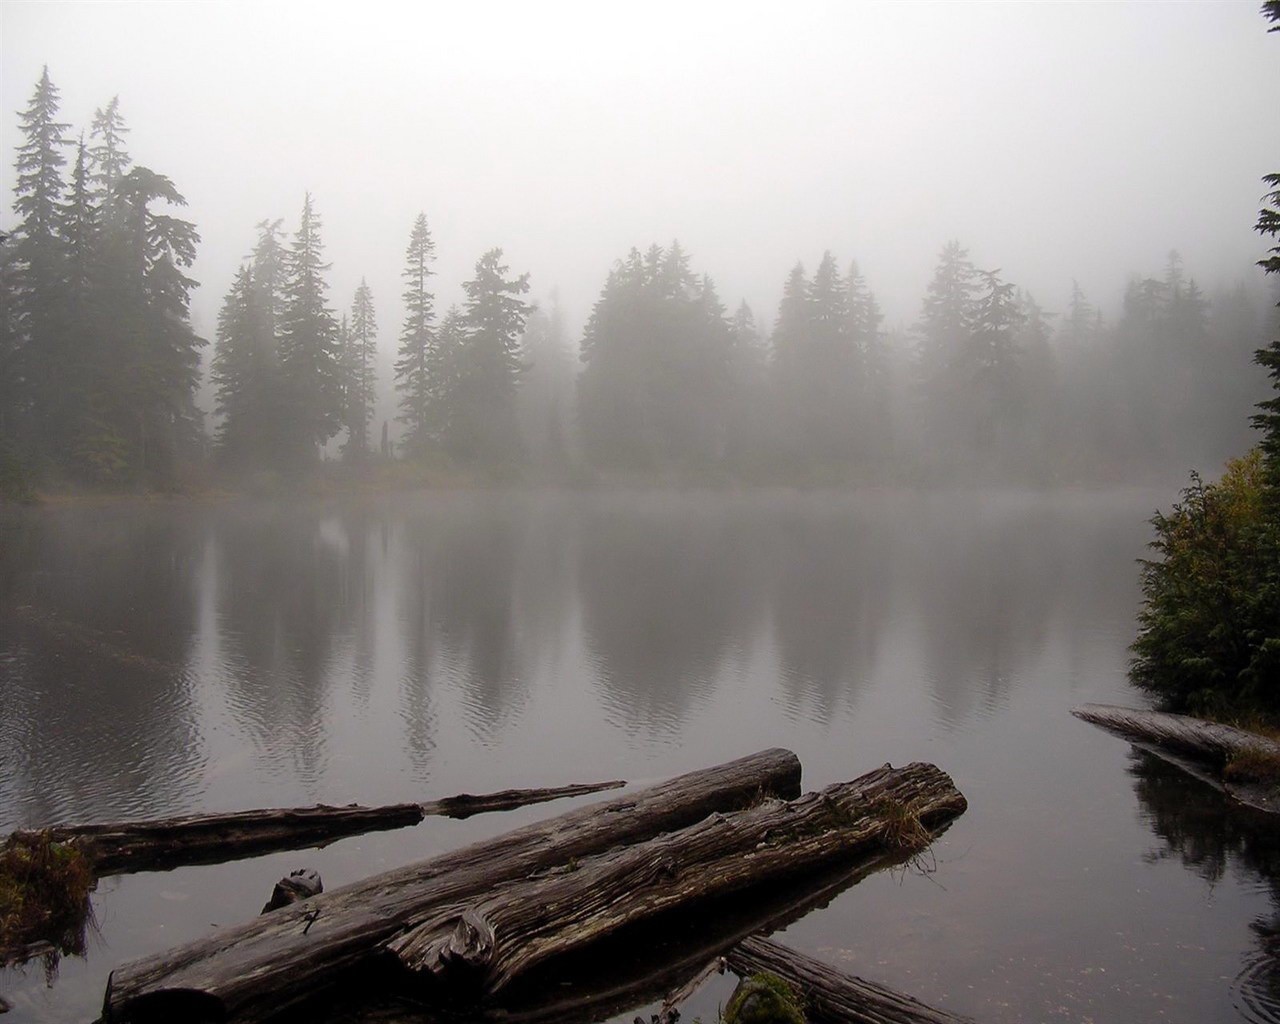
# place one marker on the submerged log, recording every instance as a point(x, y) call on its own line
point(831, 996)
point(120, 847)
point(297, 885)
point(252, 971)
point(488, 942)
point(1209, 751)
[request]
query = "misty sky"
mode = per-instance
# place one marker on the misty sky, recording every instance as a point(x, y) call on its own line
point(1053, 140)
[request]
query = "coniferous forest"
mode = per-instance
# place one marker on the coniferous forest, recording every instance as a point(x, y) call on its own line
point(101, 371)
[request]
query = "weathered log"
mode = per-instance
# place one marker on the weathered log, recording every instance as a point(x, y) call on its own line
point(1202, 749)
point(120, 847)
point(465, 805)
point(250, 972)
point(669, 1012)
point(485, 943)
point(297, 885)
point(831, 996)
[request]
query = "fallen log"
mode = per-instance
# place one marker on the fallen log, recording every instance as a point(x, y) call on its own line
point(486, 943)
point(1221, 755)
point(161, 844)
point(252, 971)
point(669, 1012)
point(831, 996)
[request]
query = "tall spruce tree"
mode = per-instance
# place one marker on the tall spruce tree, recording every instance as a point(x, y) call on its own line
point(483, 423)
point(418, 373)
point(308, 334)
point(110, 158)
point(155, 408)
point(1267, 419)
point(43, 360)
point(361, 372)
point(238, 373)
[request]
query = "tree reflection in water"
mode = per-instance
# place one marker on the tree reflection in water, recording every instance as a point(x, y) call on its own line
point(1212, 836)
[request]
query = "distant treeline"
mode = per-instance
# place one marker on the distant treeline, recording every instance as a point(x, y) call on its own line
point(99, 365)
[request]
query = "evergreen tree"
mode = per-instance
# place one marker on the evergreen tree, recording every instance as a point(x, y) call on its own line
point(154, 407)
point(417, 370)
point(240, 372)
point(42, 359)
point(546, 389)
point(875, 400)
point(990, 368)
point(309, 344)
point(361, 372)
point(657, 352)
point(1267, 419)
point(110, 159)
point(71, 416)
point(482, 423)
point(944, 329)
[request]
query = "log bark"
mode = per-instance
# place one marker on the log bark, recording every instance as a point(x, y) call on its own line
point(465, 805)
point(1198, 747)
point(252, 971)
point(831, 996)
point(484, 944)
point(161, 844)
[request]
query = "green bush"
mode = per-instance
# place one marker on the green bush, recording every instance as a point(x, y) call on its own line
point(1209, 629)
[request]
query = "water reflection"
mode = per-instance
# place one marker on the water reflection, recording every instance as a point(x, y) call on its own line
point(304, 626)
point(97, 615)
point(1214, 837)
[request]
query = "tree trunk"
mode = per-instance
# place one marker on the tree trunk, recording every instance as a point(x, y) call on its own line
point(830, 996)
point(486, 943)
point(1200, 748)
point(120, 847)
point(252, 971)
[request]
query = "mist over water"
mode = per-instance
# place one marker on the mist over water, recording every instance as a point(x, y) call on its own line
point(402, 402)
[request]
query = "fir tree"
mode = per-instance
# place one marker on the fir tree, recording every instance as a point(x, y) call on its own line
point(417, 370)
point(361, 368)
point(238, 372)
point(42, 360)
point(1267, 419)
point(482, 422)
point(110, 159)
point(309, 344)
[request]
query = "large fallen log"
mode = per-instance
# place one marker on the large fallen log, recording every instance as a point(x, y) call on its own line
point(831, 996)
point(484, 944)
point(160, 844)
point(1220, 755)
point(252, 971)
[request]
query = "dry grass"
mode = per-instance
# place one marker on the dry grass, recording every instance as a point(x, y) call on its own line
point(44, 896)
point(903, 828)
point(1256, 766)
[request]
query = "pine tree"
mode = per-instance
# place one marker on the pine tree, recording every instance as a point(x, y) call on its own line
point(361, 368)
point(482, 424)
point(309, 344)
point(417, 370)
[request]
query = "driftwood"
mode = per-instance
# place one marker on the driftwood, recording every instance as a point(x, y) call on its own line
point(119, 847)
point(832, 997)
point(296, 885)
point(669, 1012)
point(1200, 748)
point(254, 970)
point(486, 943)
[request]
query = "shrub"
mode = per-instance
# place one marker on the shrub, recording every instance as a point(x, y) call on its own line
point(1209, 628)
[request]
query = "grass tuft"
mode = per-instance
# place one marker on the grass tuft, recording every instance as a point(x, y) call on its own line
point(44, 897)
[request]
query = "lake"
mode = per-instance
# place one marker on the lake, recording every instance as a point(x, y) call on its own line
point(173, 657)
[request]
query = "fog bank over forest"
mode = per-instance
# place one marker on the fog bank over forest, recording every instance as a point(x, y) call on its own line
point(1071, 148)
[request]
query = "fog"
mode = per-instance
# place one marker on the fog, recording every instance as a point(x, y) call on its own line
point(1054, 141)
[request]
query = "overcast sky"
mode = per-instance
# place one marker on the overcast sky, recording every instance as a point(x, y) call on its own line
point(1055, 141)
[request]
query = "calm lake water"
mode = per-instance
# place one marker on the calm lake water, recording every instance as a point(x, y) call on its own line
point(171, 658)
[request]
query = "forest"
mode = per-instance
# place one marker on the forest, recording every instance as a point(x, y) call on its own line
point(102, 371)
